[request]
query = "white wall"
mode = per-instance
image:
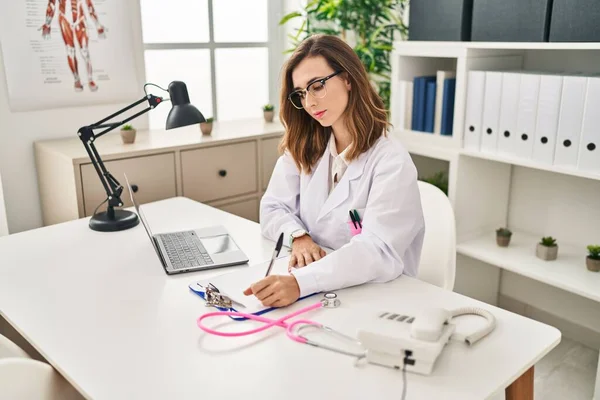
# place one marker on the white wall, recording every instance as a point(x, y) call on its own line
point(18, 131)
point(3, 223)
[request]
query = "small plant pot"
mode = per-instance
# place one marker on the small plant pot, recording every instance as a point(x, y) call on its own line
point(269, 115)
point(546, 253)
point(592, 264)
point(206, 128)
point(128, 136)
point(503, 241)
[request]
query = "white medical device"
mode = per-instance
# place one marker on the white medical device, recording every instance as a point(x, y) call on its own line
point(414, 342)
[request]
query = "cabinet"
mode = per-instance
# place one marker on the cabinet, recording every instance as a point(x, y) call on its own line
point(217, 172)
point(228, 169)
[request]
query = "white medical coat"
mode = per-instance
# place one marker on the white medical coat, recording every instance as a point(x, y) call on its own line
point(381, 185)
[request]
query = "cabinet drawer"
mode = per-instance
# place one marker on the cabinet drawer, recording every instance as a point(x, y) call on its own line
point(154, 177)
point(246, 209)
point(270, 154)
point(219, 172)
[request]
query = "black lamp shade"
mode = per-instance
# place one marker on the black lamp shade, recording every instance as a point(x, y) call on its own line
point(182, 113)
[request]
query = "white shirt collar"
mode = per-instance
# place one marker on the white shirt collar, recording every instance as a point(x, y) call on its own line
point(333, 150)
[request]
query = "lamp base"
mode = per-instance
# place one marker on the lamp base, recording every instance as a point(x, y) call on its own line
point(120, 220)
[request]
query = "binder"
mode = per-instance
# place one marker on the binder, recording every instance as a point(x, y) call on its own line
point(473, 114)
point(419, 102)
point(547, 118)
point(448, 106)
point(408, 105)
point(589, 147)
point(491, 111)
point(570, 121)
point(430, 107)
point(509, 109)
point(442, 76)
point(526, 118)
point(398, 104)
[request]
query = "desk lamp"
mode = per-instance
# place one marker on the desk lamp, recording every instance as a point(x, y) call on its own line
point(182, 114)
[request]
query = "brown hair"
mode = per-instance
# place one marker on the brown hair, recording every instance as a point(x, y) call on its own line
point(305, 138)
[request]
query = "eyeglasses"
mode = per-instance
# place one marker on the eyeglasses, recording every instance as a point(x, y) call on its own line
point(316, 89)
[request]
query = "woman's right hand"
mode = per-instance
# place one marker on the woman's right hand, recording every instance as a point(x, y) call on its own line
point(304, 251)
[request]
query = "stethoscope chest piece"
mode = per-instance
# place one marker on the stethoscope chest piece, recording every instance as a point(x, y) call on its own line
point(330, 300)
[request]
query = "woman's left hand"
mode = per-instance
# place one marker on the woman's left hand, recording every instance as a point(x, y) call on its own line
point(275, 290)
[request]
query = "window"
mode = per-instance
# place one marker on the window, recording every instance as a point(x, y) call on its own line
point(228, 52)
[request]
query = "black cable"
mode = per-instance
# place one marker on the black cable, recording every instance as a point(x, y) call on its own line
point(404, 381)
point(409, 361)
point(152, 84)
point(99, 206)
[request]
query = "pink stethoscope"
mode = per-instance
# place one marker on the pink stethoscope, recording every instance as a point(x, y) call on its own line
point(329, 301)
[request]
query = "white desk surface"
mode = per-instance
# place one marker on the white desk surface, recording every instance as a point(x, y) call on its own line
point(100, 308)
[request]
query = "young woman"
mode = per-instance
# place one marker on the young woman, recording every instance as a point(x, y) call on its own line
point(337, 160)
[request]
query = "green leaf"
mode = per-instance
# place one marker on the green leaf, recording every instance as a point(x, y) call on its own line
point(290, 16)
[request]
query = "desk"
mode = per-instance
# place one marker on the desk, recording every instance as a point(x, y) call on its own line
point(100, 309)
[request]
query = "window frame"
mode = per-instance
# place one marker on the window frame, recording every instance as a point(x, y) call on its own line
point(274, 45)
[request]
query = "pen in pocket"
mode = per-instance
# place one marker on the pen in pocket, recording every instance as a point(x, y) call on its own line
point(357, 218)
point(353, 219)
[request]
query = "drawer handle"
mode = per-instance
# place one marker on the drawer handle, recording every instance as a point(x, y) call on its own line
point(223, 173)
point(135, 188)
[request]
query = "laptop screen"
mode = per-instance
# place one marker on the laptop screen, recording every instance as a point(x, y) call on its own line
point(141, 215)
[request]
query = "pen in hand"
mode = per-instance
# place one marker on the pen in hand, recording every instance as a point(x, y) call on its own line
point(275, 254)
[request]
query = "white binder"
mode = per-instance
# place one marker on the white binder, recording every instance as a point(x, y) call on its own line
point(509, 109)
point(526, 118)
point(474, 110)
point(589, 147)
point(547, 118)
point(570, 121)
point(491, 111)
point(398, 104)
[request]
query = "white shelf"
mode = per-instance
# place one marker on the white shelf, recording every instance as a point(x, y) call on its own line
point(457, 49)
point(568, 272)
point(428, 144)
point(530, 164)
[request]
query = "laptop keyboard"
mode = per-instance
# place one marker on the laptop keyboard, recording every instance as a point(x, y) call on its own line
point(185, 250)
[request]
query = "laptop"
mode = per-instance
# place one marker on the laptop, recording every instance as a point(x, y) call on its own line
point(192, 250)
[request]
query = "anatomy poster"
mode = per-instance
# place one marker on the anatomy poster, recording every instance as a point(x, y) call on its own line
point(67, 53)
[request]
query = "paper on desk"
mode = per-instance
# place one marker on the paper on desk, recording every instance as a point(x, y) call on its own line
point(233, 284)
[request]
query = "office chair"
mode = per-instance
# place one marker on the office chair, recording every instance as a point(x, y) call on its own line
point(8, 349)
point(438, 257)
point(23, 378)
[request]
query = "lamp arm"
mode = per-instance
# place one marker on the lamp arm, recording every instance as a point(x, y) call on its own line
point(112, 187)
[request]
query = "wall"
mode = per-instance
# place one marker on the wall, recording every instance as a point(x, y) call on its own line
point(18, 131)
point(3, 223)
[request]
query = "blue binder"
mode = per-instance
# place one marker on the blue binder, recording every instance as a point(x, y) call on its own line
point(430, 106)
point(448, 106)
point(419, 101)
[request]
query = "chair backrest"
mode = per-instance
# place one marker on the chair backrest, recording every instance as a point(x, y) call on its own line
point(8, 349)
point(27, 379)
point(438, 257)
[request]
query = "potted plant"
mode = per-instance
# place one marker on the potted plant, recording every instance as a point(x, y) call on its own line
point(503, 236)
point(128, 134)
point(206, 127)
point(269, 112)
point(547, 249)
point(592, 261)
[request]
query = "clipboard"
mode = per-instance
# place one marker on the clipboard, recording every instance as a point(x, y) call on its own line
point(232, 285)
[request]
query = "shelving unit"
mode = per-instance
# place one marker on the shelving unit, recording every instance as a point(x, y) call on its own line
point(529, 164)
point(565, 273)
point(489, 190)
